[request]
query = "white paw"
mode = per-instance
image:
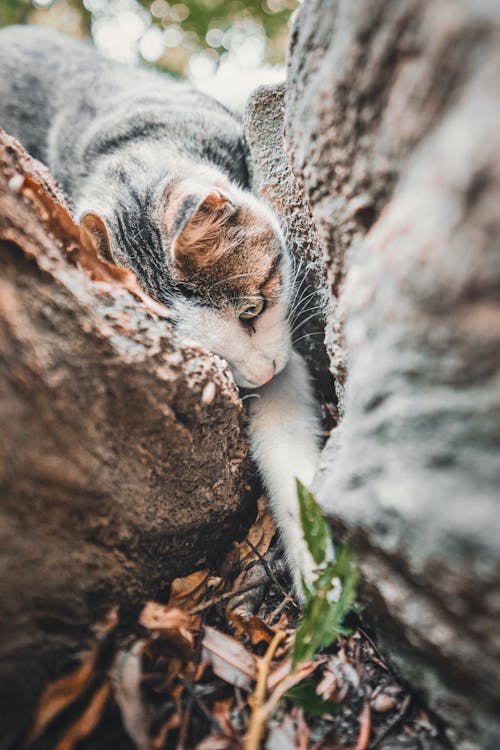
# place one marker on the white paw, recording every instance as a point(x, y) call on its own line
point(302, 567)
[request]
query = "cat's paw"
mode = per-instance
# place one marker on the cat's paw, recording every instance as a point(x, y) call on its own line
point(302, 567)
point(305, 571)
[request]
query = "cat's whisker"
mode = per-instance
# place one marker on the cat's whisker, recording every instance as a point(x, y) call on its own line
point(294, 319)
point(299, 322)
point(312, 306)
point(294, 279)
point(306, 336)
point(297, 286)
point(300, 303)
point(302, 323)
point(297, 265)
point(300, 286)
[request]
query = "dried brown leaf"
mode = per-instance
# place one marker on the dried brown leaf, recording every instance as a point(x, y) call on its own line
point(67, 689)
point(87, 722)
point(383, 702)
point(229, 659)
point(170, 623)
point(253, 627)
point(60, 694)
point(187, 592)
point(338, 678)
point(365, 725)
point(260, 534)
point(303, 733)
point(217, 742)
point(168, 652)
point(102, 628)
point(126, 679)
point(222, 713)
point(173, 722)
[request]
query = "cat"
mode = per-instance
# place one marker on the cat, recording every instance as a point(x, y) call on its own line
point(157, 173)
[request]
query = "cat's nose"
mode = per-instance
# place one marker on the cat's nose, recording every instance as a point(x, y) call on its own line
point(266, 375)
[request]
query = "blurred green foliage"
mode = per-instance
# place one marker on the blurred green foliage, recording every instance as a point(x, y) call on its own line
point(180, 29)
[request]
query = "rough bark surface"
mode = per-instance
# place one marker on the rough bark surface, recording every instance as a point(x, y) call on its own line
point(121, 453)
point(393, 130)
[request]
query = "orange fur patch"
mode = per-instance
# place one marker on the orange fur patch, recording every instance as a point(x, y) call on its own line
point(228, 255)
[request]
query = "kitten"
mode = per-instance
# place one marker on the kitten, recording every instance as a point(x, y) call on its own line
point(156, 173)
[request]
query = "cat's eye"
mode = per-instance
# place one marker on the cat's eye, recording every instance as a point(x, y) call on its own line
point(253, 310)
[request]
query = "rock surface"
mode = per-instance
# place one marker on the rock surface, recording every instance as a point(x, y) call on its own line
point(122, 455)
point(393, 132)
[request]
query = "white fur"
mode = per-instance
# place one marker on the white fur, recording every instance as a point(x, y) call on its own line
point(254, 356)
point(284, 436)
point(284, 424)
point(249, 355)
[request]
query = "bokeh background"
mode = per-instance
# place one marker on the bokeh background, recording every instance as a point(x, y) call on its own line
point(224, 47)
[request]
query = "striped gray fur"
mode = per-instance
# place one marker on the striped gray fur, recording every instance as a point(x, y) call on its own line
point(113, 136)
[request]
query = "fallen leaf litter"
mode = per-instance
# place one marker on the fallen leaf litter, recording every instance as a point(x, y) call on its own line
point(211, 669)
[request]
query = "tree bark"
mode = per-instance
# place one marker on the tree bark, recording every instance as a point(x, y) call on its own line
point(392, 133)
point(393, 124)
point(122, 454)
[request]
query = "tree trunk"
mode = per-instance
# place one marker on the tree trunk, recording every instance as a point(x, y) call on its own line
point(121, 454)
point(392, 131)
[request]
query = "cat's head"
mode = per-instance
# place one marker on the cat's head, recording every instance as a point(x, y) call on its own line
point(228, 259)
point(216, 255)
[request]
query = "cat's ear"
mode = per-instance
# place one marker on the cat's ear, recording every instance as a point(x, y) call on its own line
point(197, 226)
point(91, 224)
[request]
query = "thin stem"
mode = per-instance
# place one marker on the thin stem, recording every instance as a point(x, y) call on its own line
point(270, 572)
point(258, 719)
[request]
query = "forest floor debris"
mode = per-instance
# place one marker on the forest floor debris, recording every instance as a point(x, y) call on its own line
point(212, 668)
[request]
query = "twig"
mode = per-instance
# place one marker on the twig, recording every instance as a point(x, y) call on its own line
point(259, 717)
point(186, 717)
point(392, 724)
point(365, 728)
point(276, 612)
point(188, 685)
point(270, 573)
point(201, 705)
point(302, 735)
point(374, 647)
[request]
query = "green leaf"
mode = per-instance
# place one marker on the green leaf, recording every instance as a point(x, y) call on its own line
point(323, 619)
point(332, 595)
point(313, 632)
point(305, 696)
point(314, 524)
